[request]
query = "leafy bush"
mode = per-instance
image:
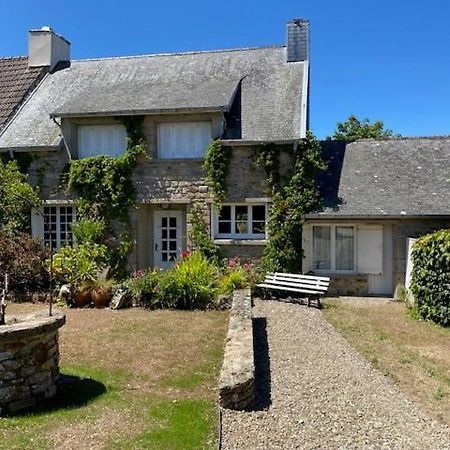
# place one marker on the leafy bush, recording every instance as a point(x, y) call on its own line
point(23, 258)
point(16, 198)
point(190, 284)
point(142, 287)
point(81, 264)
point(231, 280)
point(431, 276)
point(88, 230)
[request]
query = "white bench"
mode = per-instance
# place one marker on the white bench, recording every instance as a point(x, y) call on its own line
point(309, 286)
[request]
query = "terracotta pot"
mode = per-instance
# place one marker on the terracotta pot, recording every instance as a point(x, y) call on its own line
point(82, 298)
point(101, 297)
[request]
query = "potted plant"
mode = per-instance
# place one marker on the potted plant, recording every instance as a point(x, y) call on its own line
point(102, 291)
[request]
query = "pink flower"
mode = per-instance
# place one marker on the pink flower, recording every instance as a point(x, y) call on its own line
point(185, 253)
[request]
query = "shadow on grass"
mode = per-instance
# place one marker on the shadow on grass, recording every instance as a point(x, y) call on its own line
point(263, 398)
point(73, 392)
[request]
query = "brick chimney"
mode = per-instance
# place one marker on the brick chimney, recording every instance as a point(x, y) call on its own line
point(297, 40)
point(48, 49)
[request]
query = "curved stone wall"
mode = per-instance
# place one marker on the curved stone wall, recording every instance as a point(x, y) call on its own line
point(29, 360)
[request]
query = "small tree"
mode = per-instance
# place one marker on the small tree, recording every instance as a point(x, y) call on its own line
point(353, 129)
point(17, 197)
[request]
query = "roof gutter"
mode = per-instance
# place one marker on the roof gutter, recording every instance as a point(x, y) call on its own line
point(246, 142)
point(374, 217)
point(142, 112)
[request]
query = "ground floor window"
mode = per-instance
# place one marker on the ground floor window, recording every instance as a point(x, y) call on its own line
point(58, 222)
point(241, 221)
point(334, 248)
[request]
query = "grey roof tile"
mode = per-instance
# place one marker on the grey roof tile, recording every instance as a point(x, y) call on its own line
point(271, 92)
point(397, 177)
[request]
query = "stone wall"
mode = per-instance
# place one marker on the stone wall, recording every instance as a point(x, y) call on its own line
point(29, 361)
point(348, 285)
point(237, 378)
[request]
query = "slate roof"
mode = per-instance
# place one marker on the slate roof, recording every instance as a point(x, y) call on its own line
point(17, 80)
point(271, 92)
point(388, 178)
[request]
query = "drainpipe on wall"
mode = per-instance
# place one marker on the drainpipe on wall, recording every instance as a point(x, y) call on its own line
point(66, 146)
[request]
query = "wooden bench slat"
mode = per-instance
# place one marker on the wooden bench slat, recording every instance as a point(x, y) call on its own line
point(295, 275)
point(287, 288)
point(297, 285)
point(323, 284)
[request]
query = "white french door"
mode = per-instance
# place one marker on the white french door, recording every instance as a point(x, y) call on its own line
point(167, 233)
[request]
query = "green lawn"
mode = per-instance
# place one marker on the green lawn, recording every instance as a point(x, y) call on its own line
point(140, 380)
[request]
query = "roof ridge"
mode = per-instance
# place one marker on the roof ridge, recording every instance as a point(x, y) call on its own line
point(191, 52)
point(404, 138)
point(13, 57)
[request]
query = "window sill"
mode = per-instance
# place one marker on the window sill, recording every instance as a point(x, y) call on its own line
point(329, 273)
point(240, 241)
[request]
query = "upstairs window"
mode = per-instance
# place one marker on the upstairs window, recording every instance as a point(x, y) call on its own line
point(183, 140)
point(93, 140)
point(241, 222)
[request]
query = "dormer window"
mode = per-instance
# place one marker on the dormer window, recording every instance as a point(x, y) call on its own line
point(94, 140)
point(183, 140)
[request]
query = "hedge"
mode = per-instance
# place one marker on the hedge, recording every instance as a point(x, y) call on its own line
point(430, 282)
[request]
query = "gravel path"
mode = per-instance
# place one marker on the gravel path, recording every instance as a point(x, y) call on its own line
point(321, 394)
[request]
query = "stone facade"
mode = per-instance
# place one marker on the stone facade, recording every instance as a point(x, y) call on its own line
point(29, 361)
point(237, 378)
point(171, 184)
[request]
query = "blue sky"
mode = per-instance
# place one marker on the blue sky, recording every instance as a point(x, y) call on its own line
point(387, 60)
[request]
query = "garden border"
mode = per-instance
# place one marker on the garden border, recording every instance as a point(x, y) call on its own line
point(237, 377)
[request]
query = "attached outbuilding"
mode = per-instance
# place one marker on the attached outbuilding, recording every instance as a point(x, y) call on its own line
point(376, 195)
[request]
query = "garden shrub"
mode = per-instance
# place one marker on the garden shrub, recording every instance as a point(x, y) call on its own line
point(80, 265)
point(142, 288)
point(23, 258)
point(193, 281)
point(430, 282)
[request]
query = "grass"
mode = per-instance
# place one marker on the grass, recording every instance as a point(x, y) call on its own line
point(138, 380)
point(414, 354)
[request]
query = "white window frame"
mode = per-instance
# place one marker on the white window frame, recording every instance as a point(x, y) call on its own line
point(333, 248)
point(58, 207)
point(240, 236)
point(116, 131)
point(185, 153)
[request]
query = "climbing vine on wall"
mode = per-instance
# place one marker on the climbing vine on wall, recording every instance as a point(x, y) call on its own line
point(200, 236)
point(267, 157)
point(106, 191)
point(298, 196)
point(217, 165)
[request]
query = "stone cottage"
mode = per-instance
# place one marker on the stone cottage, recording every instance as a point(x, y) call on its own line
point(246, 97)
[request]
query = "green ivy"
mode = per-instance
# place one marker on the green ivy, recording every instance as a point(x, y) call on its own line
point(267, 157)
point(200, 236)
point(106, 191)
point(290, 202)
point(217, 165)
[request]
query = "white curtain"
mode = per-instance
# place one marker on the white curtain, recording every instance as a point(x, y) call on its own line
point(345, 248)
point(322, 247)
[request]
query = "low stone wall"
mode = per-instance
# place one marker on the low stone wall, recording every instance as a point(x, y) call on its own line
point(237, 378)
point(29, 360)
point(349, 285)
